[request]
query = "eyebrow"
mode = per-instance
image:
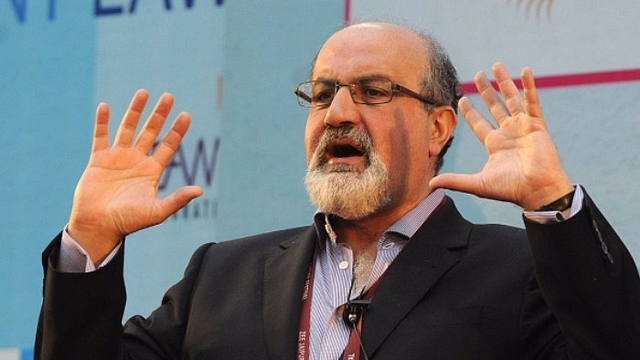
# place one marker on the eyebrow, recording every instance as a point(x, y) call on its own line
point(364, 77)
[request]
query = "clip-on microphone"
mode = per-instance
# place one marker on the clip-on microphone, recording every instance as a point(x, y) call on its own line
point(352, 313)
point(353, 310)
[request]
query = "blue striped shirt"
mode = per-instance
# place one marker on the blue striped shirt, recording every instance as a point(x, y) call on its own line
point(334, 272)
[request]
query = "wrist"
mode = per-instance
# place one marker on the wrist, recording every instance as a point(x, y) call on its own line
point(560, 204)
point(97, 243)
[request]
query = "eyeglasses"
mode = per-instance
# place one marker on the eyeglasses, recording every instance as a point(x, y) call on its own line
point(318, 93)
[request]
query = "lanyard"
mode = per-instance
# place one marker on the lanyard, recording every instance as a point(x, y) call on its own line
point(352, 349)
point(305, 313)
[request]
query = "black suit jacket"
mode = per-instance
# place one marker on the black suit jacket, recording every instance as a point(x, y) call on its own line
point(456, 291)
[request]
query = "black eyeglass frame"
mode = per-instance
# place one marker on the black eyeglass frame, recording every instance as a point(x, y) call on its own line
point(305, 101)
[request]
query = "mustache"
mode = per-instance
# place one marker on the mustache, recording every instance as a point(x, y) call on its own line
point(357, 138)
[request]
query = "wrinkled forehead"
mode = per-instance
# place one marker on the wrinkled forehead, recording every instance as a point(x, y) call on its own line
point(372, 50)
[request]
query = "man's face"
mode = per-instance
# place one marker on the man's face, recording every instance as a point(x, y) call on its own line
point(364, 159)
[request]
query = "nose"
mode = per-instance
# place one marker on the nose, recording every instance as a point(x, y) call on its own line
point(342, 110)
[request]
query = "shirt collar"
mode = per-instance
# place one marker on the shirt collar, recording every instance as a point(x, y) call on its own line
point(406, 226)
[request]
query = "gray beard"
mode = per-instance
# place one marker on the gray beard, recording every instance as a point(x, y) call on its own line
point(347, 192)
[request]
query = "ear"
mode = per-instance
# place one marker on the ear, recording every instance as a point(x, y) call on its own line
point(443, 122)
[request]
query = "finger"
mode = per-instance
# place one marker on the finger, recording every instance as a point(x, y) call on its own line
point(476, 121)
point(171, 141)
point(154, 123)
point(129, 123)
point(468, 183)
point(531, 101)
point(176, 200)
point(508, 89)
point(101, 128)
point(490, 96)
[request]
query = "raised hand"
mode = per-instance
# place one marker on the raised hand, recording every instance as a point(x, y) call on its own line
point(524, 166)
point(118, 191)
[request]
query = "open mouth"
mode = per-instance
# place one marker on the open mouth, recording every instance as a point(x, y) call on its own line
point(344, 149)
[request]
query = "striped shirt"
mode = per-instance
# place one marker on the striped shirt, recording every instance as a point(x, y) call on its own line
point(334, 273)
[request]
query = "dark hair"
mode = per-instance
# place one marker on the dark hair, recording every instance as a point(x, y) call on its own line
point(440, 83)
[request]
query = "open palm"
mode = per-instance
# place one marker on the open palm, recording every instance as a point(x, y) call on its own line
point(524, 166)
point(118, 191)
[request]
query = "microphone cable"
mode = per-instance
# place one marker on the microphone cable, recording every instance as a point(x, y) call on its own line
point(355, 329)
point(352, 313)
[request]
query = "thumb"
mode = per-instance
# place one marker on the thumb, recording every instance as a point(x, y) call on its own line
point(459, 182)
point(177, 200)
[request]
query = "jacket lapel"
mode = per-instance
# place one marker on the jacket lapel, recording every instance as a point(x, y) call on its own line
point(284, 276)
point(423, 261)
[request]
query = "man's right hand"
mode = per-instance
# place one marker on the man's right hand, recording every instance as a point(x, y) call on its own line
point(118, 191)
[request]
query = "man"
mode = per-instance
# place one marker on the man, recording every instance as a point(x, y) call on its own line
point(390, 269)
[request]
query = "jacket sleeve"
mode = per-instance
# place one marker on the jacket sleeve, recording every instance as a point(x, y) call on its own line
point(590, 282)
point(81, 314)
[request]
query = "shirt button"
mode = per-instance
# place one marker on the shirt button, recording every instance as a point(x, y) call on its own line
point(388, 245)
point(343, 265)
